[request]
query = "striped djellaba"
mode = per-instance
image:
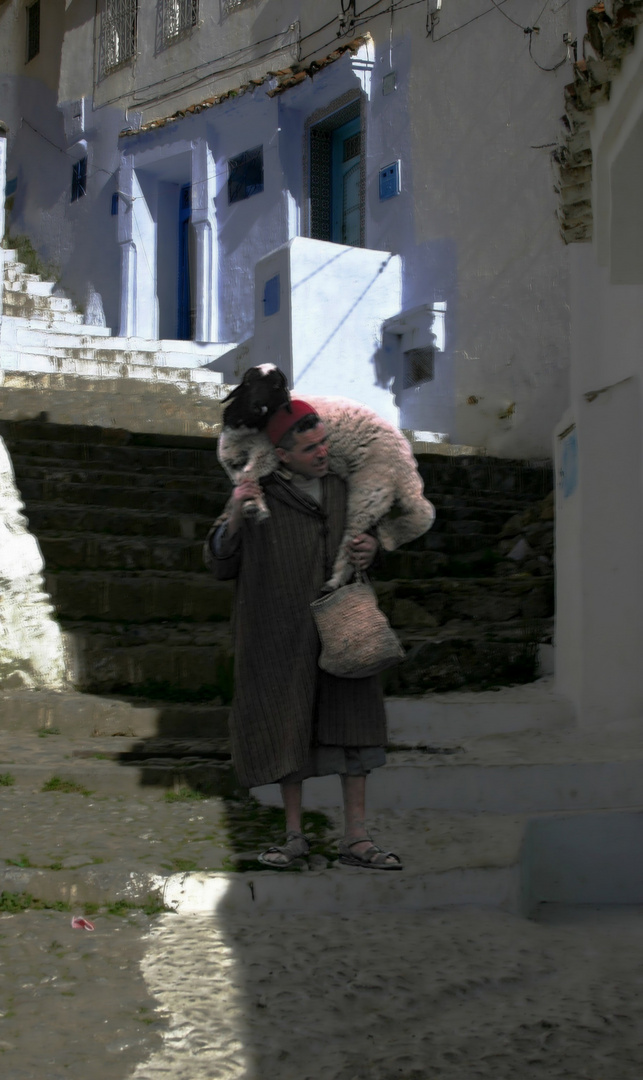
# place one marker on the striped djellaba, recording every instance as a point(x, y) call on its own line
point(284, 704)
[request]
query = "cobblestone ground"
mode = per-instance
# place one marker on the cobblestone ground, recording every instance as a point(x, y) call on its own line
point(466, 994)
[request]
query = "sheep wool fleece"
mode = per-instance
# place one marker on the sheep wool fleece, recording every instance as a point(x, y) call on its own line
point(283, 702)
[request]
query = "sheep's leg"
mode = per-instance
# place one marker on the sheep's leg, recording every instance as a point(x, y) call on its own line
point(367, 503)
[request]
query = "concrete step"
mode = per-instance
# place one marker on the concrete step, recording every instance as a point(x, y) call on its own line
point(18, 332)
point(110, 367)
point(440, 600)
point(34, 306)
point(444, 720)
point(27, 284)
point(10, 256)
point(76, 715)
point(529, 773)
point(140, 597)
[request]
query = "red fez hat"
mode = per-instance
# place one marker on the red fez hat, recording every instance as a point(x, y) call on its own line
point(285, 418)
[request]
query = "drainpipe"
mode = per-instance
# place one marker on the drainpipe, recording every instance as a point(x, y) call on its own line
point(3, 185)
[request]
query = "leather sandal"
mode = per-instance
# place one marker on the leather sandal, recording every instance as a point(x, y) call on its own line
point(296, 847)
point(372, 859)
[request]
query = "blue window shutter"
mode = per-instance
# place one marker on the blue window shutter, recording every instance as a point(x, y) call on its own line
point(272, 296)
point(390, 181)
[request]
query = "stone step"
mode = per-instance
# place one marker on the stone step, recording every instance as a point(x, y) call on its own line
point(185, 662)
point(96, 474)
point(190, 409)
point(205, 503)
point(481, 474)
point(440, 600)
point(10, 256)
point(99, 552)
point(46, 517)
point(140, 597)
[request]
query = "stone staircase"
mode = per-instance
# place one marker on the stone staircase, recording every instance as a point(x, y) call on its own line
point(53, 362)
point(121, 518)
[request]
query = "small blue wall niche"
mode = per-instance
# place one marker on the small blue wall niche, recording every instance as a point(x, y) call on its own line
point(390, 181)
point(271, 296)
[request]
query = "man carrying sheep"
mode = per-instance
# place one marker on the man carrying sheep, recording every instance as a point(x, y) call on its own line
point(290, 720)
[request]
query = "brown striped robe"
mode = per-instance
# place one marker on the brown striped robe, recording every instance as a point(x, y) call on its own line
point(284, 703)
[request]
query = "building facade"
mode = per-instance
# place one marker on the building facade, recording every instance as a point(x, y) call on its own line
point(375, 178)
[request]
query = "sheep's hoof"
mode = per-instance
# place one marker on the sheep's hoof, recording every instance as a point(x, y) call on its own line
point(254, 512)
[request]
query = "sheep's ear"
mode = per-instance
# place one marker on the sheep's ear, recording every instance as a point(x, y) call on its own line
point(232, 395)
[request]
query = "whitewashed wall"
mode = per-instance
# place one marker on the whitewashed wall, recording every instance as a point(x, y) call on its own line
point(470, 121)
point(599, 524)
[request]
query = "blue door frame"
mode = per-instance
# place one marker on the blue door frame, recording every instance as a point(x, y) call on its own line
point(346, 183)
point(184, 322)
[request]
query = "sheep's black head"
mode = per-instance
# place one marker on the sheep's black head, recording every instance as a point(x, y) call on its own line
point(262, 391)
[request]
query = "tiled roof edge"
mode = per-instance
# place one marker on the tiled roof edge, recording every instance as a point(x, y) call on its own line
point(611, 32)
point(284, 79)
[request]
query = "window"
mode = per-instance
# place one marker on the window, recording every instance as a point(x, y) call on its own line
point(230, 5)
point(117, 33)
point(79, 179)
point(178, 17)
point(33, 30)
point(245, 175)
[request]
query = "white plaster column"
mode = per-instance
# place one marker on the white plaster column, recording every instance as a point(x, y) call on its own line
point(203, 222)
point(128, 248)
point(128, 289)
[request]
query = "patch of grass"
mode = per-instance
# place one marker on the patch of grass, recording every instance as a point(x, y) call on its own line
point(250, 826)
point(181, 866)
point(69, 787)
point(7, 780)
point(28, 255)
point(43, 732)
point(13, 903)
point(90, 909)
point(151, 906)
point(185, 794)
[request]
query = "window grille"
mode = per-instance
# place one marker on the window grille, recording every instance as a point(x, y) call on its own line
point(117, 33)
point(79, 179)
point(245, 175)
point(33, 30)
point(418, 366)
point(179, 16)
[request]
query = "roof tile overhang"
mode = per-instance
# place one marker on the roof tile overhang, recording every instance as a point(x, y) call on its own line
point(280, 81)
point(611, 32)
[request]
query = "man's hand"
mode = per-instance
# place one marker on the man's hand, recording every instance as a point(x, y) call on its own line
point(247, 489)
point(361, 551)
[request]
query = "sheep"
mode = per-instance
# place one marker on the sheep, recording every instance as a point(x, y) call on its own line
point(371, 455)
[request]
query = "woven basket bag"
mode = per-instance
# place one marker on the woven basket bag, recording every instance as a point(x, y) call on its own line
point(355, 635)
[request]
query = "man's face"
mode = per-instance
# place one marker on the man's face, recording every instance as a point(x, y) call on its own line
point(309, 456)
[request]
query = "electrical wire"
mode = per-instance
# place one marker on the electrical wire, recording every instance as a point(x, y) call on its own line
point(531, 30)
